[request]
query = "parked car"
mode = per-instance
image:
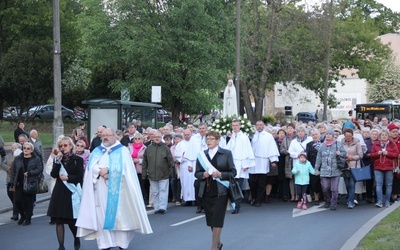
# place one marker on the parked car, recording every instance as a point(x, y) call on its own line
point(46, 112)
point(80, 115)
point(163, 116)
point(6, 114)
point(305, 117)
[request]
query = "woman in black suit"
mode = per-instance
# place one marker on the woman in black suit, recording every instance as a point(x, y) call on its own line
point(68, 172)
point(211, 190)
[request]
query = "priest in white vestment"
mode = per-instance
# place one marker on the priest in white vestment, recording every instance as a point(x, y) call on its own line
point(230, 107)
point(266, 152)
point(197, 144)
point(112, 206)
point(243, 155)
point(187, 178)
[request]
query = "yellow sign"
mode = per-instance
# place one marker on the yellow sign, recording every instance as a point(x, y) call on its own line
point(372, 108)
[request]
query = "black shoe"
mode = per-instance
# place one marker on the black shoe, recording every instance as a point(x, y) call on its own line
point(21, 220)
point(220, 246)
point(61, 248)
point(327, 205)
point(198, 210)
point(257, 204)
point(187, 204)
point(160, 211)
point(316, 203)
point(27, 222)
point(77, 244)
point(14, 218)
point(235, 211)
point(252, 202)
point(333, 208)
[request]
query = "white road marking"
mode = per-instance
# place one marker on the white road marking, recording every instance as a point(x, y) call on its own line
point(314, 209)
point(186, 221)
point(38, 215)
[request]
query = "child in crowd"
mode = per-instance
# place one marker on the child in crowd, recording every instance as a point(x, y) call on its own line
point(301, 170)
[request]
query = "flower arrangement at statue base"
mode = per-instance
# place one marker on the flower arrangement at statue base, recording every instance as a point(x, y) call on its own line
point(223, 125)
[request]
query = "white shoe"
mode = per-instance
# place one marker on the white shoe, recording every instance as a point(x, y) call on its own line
point(355, 202)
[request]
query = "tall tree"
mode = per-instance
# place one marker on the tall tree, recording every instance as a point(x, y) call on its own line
point(387, 87)
point(184, 46)
point(284, 44)
point(27, 73)
point(25, 24)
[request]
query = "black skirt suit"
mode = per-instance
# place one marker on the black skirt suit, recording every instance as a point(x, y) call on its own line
point(60, 206)
point(213, 193)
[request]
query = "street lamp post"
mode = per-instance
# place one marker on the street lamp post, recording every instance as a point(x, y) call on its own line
point(58, 125)
point(237, 69)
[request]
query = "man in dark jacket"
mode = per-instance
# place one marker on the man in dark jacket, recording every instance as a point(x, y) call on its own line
point(131, 134)
point(19, 131)
point(97, 140)
point(158, 165)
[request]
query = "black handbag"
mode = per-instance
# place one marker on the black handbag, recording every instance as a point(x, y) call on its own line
point(43, 188)
point(234, 191)
point(31, 185)
point(361, 174)
point(340, 161)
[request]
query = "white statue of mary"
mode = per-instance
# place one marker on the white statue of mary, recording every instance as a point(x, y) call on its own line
point(230, 102)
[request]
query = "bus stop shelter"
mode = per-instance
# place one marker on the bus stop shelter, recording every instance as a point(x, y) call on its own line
point(110, 113)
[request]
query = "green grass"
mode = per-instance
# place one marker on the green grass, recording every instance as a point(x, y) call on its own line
point(385, 235)
point(45, 130)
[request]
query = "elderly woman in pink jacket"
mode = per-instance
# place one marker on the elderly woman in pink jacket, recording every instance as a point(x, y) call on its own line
point(137, 149)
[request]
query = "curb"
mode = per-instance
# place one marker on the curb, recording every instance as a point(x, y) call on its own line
point(355, 239)
point(10, 208)
point(43, 199)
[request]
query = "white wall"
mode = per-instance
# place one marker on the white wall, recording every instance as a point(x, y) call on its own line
point(353, 92)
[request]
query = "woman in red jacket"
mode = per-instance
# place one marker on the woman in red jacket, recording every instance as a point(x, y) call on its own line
point(383, 152)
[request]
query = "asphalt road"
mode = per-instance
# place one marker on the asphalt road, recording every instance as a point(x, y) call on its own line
point(274, 226)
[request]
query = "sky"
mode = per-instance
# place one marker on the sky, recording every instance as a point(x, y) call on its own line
point(394, 5)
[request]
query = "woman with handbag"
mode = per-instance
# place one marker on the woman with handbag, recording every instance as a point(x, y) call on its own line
point(24, 182)
point(7, 165)
point(214, 168)
point(329, 153)
point(311, 152)
point(383, 153)
point(353, 156)
point(68, 172)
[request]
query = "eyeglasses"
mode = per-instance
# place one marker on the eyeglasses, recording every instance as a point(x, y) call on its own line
point(27, 148)
point(63, 145)
point(210, 139)
point(138, 138)
point(79, 145)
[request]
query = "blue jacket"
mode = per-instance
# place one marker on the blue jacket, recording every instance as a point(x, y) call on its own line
point(302, 178)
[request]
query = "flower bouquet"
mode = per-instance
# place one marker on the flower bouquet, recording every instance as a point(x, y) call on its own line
point(224, 125)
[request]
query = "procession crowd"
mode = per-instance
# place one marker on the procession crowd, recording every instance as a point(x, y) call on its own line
point(151, 167)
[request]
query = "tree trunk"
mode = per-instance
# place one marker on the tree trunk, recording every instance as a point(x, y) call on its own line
point(258, 83)
point(176, 110)
point(328, 58)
